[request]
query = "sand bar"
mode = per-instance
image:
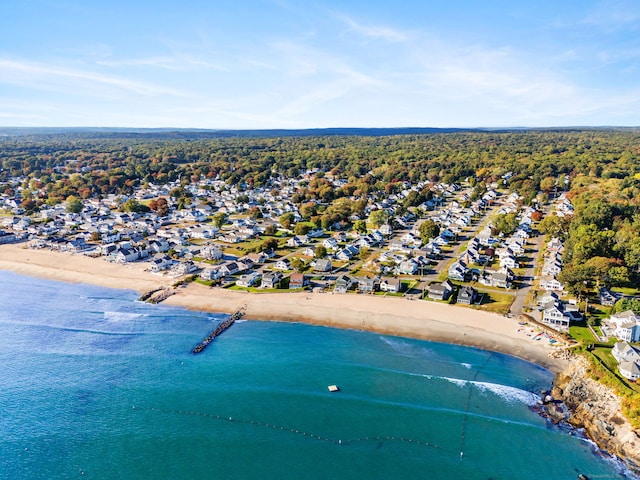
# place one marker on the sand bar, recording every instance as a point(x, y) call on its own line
point(387, 315)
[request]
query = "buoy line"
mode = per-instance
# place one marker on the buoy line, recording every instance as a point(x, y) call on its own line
point(296, 431)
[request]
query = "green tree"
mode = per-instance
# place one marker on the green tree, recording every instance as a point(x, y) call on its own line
point(269, 244)
point(270, 229)
point(360, 226)
point(286, 220)
point(428, 230)
point(554, 226)
point(219, 219)
point(297, 264)
point(505, 223)
point(74, 204)
point(320, 251)
point(377, 218)
point(302, 228)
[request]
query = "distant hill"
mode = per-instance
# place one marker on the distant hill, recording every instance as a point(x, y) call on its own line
point(188, 133)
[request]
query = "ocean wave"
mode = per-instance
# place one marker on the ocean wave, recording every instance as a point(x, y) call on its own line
point(406, 348)
point(122, 316)
point(505, 392)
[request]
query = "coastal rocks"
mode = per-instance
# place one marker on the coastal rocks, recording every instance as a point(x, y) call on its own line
point(596, 408)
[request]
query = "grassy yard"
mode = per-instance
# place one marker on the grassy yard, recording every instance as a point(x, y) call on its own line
point(582, 334)
point(495, 302)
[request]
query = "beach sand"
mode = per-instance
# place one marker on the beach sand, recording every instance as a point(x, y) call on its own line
point(386, 315)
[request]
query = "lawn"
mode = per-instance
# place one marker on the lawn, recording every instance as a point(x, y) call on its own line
point(495, 302)
point(582, 334)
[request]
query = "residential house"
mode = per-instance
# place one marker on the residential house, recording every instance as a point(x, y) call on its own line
point(458, 271)
point(390, 285)
point(271, 280)
point(125, 255)
point(282, 264)
point(209, 274)
point(467, 295)
point(367, 284)
point(323, 265)
point(627, 325)
point(551, 283)
point(183, 268)
point(440, 291)
point(298, 280)
point(160, 262)
point(330, 243)
point(248, 279)
point(343, 283)
point(407, 267)
point(623, 352)
point(607, 297)
point(558, 317)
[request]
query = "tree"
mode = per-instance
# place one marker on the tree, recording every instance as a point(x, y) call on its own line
point(286, 220)
point(377, 218)
point(320, 251)
point(360, 226)
point(133, 205)
point(96, 237)
point(269, 244)
point(219, 219)
point(302, 228)
point(505, 223)
point(554, 226)
point(576, 278)
point(255, 213)
point(270, 229)
point(297, 264)
point(162, 206)
point(428, 230)
point(74, 204)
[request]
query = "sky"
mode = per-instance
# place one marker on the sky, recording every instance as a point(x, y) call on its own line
point(257, 64)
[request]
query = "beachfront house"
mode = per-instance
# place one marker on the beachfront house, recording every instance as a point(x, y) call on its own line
point(367, 285)
point(343, 283)
point(558, 316)
point(248, 279)
point(390, 285)
point(440, 291)
point(271, 280)
point(626, 326)
point(298, 281)
point(467, 295)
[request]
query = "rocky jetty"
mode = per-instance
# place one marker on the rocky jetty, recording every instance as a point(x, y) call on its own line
point(596, 408)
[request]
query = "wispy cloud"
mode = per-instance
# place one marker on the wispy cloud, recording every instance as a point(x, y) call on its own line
point(174, 63)
point(373, 31)
point(613, 15)
point(55, 77)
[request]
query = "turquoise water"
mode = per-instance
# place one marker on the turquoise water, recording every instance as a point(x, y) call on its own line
point(94, 384)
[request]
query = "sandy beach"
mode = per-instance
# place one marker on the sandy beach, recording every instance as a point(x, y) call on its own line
point(387, 315)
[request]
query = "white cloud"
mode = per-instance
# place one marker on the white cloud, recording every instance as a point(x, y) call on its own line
point(373, 31)
point(52, 77)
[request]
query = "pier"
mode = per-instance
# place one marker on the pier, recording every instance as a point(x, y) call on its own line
point(220, 329)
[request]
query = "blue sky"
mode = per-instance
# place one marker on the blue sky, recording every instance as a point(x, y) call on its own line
point(305, 64)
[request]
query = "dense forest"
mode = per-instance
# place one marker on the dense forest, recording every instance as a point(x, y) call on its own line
point(600, 169)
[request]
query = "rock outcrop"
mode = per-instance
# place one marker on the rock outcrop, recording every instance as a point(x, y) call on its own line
point(596, 408)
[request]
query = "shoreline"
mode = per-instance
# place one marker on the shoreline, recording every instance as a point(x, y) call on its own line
point(396, 316)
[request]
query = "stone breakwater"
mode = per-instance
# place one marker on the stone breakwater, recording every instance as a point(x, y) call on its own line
point(596, 408)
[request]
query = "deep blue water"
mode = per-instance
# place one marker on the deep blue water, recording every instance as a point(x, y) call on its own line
point(94, 384)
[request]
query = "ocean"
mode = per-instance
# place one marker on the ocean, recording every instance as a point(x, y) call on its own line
point(94, 384)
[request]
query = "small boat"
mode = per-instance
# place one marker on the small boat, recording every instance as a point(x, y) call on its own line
point(582, 476)
point(333, 388)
